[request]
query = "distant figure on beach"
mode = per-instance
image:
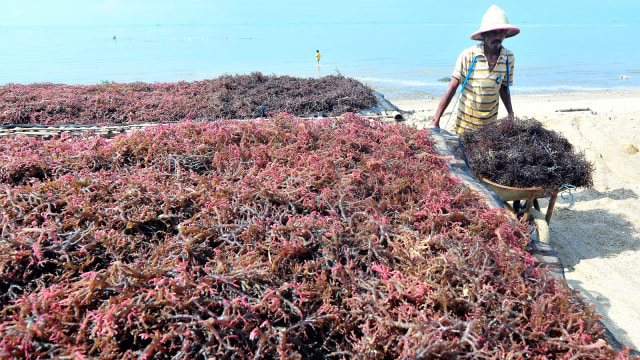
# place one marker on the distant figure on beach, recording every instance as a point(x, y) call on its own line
point(486, 73)
point(318, 56)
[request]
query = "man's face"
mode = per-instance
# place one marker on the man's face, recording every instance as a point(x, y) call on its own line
point(494, 38)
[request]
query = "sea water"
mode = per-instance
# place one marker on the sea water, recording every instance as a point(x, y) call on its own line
point(397, 59)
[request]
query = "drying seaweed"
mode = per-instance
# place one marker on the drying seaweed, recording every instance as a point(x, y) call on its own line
point(336, 238)
point(229, 97)
point(522, 153)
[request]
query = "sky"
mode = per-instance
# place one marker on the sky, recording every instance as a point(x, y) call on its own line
point(151, 12)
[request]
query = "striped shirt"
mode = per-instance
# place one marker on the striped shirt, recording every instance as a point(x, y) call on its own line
point(479, 100)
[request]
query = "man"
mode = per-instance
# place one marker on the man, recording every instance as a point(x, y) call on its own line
point(318, 56)
point(486, 72)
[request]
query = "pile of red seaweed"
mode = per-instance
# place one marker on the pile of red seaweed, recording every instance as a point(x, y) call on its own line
point(522, 153)
point(335, 238)
point(229, 97)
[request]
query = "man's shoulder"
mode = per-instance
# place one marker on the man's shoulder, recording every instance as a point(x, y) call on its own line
point(473, 50)
point(477, 49)
point(507, 51)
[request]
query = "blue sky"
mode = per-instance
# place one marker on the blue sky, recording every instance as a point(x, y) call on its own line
point(125, 12)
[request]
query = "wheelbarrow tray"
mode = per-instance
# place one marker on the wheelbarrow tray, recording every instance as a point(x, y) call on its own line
point(530, 195)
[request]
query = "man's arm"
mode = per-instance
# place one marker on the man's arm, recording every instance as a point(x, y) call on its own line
point(506, 100)
point(446, 99)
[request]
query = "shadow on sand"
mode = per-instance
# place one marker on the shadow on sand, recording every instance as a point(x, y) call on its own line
point(580, 235)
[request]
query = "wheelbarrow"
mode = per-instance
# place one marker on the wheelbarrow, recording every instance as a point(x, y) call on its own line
point(529, 195)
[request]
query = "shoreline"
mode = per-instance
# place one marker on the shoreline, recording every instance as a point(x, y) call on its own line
point(598, 237)
point(531, 105)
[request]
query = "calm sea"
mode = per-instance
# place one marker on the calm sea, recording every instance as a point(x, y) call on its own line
point(399, 60)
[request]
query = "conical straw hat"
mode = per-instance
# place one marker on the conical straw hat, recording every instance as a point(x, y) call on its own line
point(495, 19)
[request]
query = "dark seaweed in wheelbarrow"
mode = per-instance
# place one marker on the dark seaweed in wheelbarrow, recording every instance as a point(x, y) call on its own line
point(522, 153)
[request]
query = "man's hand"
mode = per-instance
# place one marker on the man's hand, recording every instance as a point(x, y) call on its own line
point(435, 122)
point(444, 102)
point(505, 95)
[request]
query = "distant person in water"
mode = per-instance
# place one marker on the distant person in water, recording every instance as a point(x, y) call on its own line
point(318, 56)
point(114, 37)
point(486, 73)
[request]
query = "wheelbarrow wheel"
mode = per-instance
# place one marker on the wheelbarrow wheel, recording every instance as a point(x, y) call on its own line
point(542, 228)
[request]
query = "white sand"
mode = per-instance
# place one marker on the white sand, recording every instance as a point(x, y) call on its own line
point(598, 239)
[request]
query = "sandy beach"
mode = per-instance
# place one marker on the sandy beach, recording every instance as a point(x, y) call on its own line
point(598, 237)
